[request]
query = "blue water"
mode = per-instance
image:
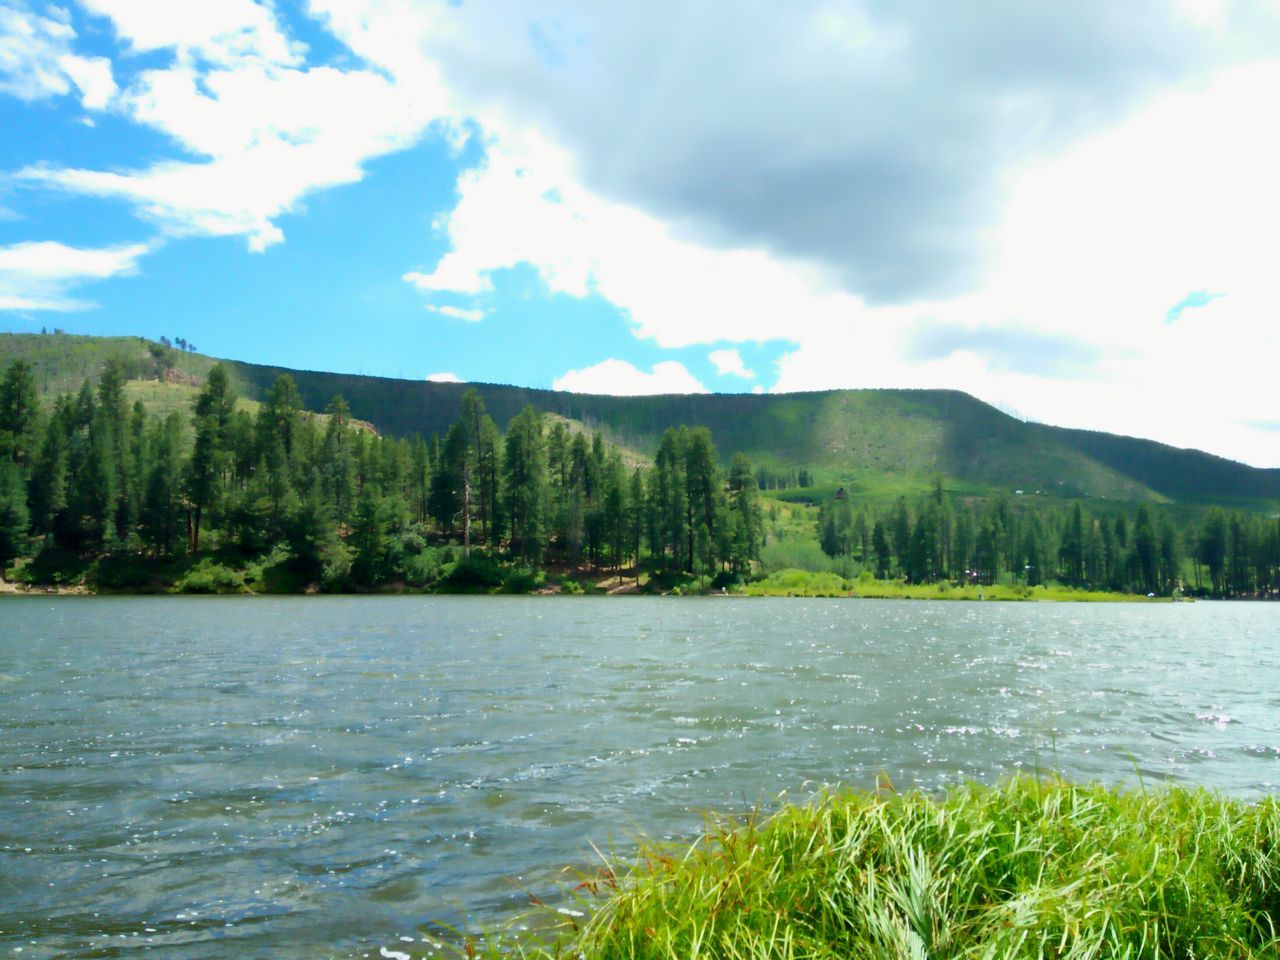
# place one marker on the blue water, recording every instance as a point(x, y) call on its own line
point(334, 777)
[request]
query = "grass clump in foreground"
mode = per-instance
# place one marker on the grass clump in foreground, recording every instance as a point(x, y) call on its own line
point(1025, 869)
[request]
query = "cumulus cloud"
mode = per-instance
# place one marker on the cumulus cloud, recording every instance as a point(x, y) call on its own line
point(444, 378)
point(264, 129)
point(622, 379)
point(522, 205)
point(226, 33)
point(40, 275)
point(870, 138)
point(37, 62)
point(729, 363)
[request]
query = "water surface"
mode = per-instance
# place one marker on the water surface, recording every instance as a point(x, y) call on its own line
point(232, 777)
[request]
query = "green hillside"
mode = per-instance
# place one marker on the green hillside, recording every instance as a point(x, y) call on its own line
point(862, 438)
point(1177, 473)
point(62, 362)
point(849, 435)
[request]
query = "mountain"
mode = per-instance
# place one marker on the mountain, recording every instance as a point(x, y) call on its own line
point(874, 439)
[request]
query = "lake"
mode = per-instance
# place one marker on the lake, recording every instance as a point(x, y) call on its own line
point(335, 776)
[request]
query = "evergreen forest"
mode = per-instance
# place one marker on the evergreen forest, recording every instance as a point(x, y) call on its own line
point(224, 494)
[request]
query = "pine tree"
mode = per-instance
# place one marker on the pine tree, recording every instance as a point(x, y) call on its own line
point(525, 484)
point(14, 517)
point(209, 460)
point(368, 537)
point(47, 490)
point(19, 416)
point(162, 499)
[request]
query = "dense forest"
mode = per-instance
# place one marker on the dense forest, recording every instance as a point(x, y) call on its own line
point(221, 495)
point(1143, 551)
point(270, 496)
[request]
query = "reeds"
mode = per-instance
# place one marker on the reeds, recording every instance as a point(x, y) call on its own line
point(1029, 868)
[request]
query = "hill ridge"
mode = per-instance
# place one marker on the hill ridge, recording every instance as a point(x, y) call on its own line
point(856, 435)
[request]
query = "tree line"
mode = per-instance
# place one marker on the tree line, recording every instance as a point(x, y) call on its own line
point(1143, 550)
point(94, 476)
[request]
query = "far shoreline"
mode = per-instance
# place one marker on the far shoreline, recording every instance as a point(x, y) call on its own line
point(750, 591)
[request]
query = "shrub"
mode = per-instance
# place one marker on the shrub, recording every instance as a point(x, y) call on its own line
point(523, 580)
point(794, 554)
point(476, 572)
point(426, 567)
point(210, 577)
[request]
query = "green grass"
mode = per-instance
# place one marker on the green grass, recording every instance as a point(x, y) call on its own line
point(1025, 869)
point(803, 583)
point(161, 399)
point(61, 362)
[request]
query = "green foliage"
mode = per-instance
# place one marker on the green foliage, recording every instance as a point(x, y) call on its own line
point(14, 516)
point(428, 567)
point(795, 554)
point(56, 565)
point(133, 573)
point(805, 583)
point(476, 574)
point(521, 579)
point(1025, 869)
point(208, 576)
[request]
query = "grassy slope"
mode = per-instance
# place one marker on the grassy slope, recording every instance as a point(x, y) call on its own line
point(858, 436)
point(1177, 473)
point(877, 442)
point(62, 362)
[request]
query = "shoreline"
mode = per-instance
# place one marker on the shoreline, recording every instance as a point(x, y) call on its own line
point(955, 595)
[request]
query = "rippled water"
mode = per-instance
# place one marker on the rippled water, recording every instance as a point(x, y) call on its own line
point(339, 776)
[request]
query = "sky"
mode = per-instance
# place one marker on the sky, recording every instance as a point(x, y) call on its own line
point(1071, 211)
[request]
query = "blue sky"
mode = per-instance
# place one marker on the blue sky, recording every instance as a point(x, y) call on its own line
point(1068, 211)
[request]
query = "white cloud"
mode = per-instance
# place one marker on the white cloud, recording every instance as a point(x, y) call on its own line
point(40, 275)
point(36, 61)
point(729, 363)
point(458, 313)
point(225, 33)
point(448, 277)
point(444, 378)
point(29, 49)
point(619, 378)
point(872, 140)
point(93, 77)
point(523, 206)
point(267, 130)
